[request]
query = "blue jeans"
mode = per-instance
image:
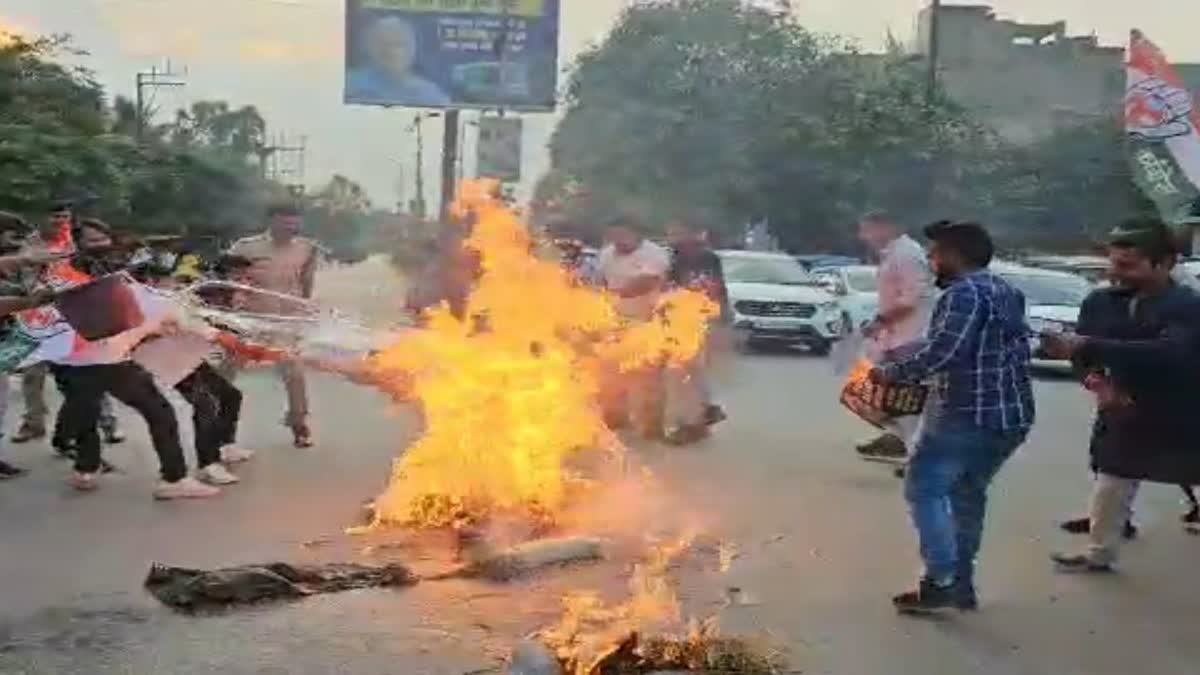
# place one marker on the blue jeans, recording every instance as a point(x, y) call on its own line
point(946, 488)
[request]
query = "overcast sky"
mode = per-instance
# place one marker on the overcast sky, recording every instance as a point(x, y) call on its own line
point(285, 56)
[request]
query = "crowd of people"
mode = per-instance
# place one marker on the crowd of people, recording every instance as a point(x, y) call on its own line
point(1136, 349)
point(945, 322)
point(159, 347)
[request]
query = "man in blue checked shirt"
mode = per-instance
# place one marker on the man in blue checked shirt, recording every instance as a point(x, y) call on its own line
point(976, 355)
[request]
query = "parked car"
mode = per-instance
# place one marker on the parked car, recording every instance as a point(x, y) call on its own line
point(1094, 268)
point(1052, 302)
point(813, 261)
point(856, 289)
point(775, 300)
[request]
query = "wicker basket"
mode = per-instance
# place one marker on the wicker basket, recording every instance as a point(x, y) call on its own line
point(880, 403)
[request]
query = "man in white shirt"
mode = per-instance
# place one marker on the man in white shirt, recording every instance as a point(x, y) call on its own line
point(906, 298)
point(635, 269)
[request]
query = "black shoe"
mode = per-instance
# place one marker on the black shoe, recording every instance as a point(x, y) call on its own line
point(28, 433)
point(302, 436)
point(929, 597)
point(900, 472)
point(714, 415)
point(1081, 564)
point(1191, 517)
point(965, 599)
point(1084, 526)
point(1130, 532)
point(886, 448)
point(62, 449)
point(9, 471)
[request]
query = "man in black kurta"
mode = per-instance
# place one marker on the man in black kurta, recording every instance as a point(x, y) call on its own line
point(1138, 345)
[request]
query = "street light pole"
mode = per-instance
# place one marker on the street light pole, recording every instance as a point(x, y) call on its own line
point(935, 11)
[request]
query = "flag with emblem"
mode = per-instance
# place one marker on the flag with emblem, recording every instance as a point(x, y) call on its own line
point(1162, 121)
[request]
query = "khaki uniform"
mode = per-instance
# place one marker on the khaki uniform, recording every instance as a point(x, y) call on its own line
point(283, 269)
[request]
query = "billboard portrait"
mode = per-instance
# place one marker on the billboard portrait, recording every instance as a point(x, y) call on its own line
point(499, 149)
point(452, 53)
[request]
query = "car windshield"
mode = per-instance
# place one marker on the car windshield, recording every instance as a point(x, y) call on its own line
point(782, 271)
point(1045, 289)
point(862, 281)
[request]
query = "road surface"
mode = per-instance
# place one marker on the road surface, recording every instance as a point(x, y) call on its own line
point(824, 538)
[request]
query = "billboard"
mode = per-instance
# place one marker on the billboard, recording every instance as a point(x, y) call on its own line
point(452, 53)
point(499, 149)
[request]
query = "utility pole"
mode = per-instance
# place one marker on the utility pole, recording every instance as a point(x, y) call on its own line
point(152, 79)
point(935, 44)
point(419, 201)
point(449, 163)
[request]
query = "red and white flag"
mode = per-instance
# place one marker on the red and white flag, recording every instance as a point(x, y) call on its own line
point(1162, 121)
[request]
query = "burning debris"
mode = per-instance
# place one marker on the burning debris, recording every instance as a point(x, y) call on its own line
point(194, 590)
point(597, 639)
point(509, 392)
point(527, 558)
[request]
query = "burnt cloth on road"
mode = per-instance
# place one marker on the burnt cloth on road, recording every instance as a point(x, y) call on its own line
point(198, 590)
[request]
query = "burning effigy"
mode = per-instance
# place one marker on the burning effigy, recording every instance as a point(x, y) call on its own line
point(508, 387)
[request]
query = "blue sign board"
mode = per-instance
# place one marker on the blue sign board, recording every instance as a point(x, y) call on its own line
point(452, 53)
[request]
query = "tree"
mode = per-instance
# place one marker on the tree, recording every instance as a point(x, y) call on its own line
point(725, 113)
point(339, 215)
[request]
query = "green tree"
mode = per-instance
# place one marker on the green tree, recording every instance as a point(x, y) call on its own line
point(726, 113)
point(339, 215)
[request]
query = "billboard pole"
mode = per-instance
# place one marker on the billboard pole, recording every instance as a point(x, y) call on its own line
point(449, 162)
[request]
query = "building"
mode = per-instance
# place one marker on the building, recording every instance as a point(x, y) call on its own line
point(1027, 80)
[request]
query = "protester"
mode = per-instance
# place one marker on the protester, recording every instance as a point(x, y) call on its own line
point(694, 266)
point(906, 297)
point(54, 236)
point(283, 262)
point(13, 298)
point(634, 269)
point(977, 353)
point(448, 276)
point(92, 369)
point(177, 358)
point(1138, 346)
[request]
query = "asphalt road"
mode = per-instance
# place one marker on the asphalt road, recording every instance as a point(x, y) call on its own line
point(824, 540)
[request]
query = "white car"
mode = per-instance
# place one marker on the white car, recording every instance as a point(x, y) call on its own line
point(1052, 302)
point(775, 300)
point(857, 291)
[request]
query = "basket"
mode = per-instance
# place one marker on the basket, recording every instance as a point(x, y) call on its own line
point(102, 308)
point(880, 403)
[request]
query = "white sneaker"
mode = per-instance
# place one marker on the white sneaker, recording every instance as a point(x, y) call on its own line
point(216, 474)
point(185, 488)
point(232, 454)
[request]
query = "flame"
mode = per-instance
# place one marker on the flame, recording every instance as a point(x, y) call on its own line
point(861, 372)
point(509, 393)
point(590, 629)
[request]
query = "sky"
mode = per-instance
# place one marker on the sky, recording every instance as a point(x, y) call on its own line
point(285, 56)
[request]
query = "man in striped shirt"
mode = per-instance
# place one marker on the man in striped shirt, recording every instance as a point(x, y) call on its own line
point(977, 356)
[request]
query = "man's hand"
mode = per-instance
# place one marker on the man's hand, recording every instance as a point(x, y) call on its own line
point(1062, 345)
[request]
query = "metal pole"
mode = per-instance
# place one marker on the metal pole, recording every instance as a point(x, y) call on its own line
point(935, 11)
point(449, 162)
point(420, 200)
point(139, 114)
